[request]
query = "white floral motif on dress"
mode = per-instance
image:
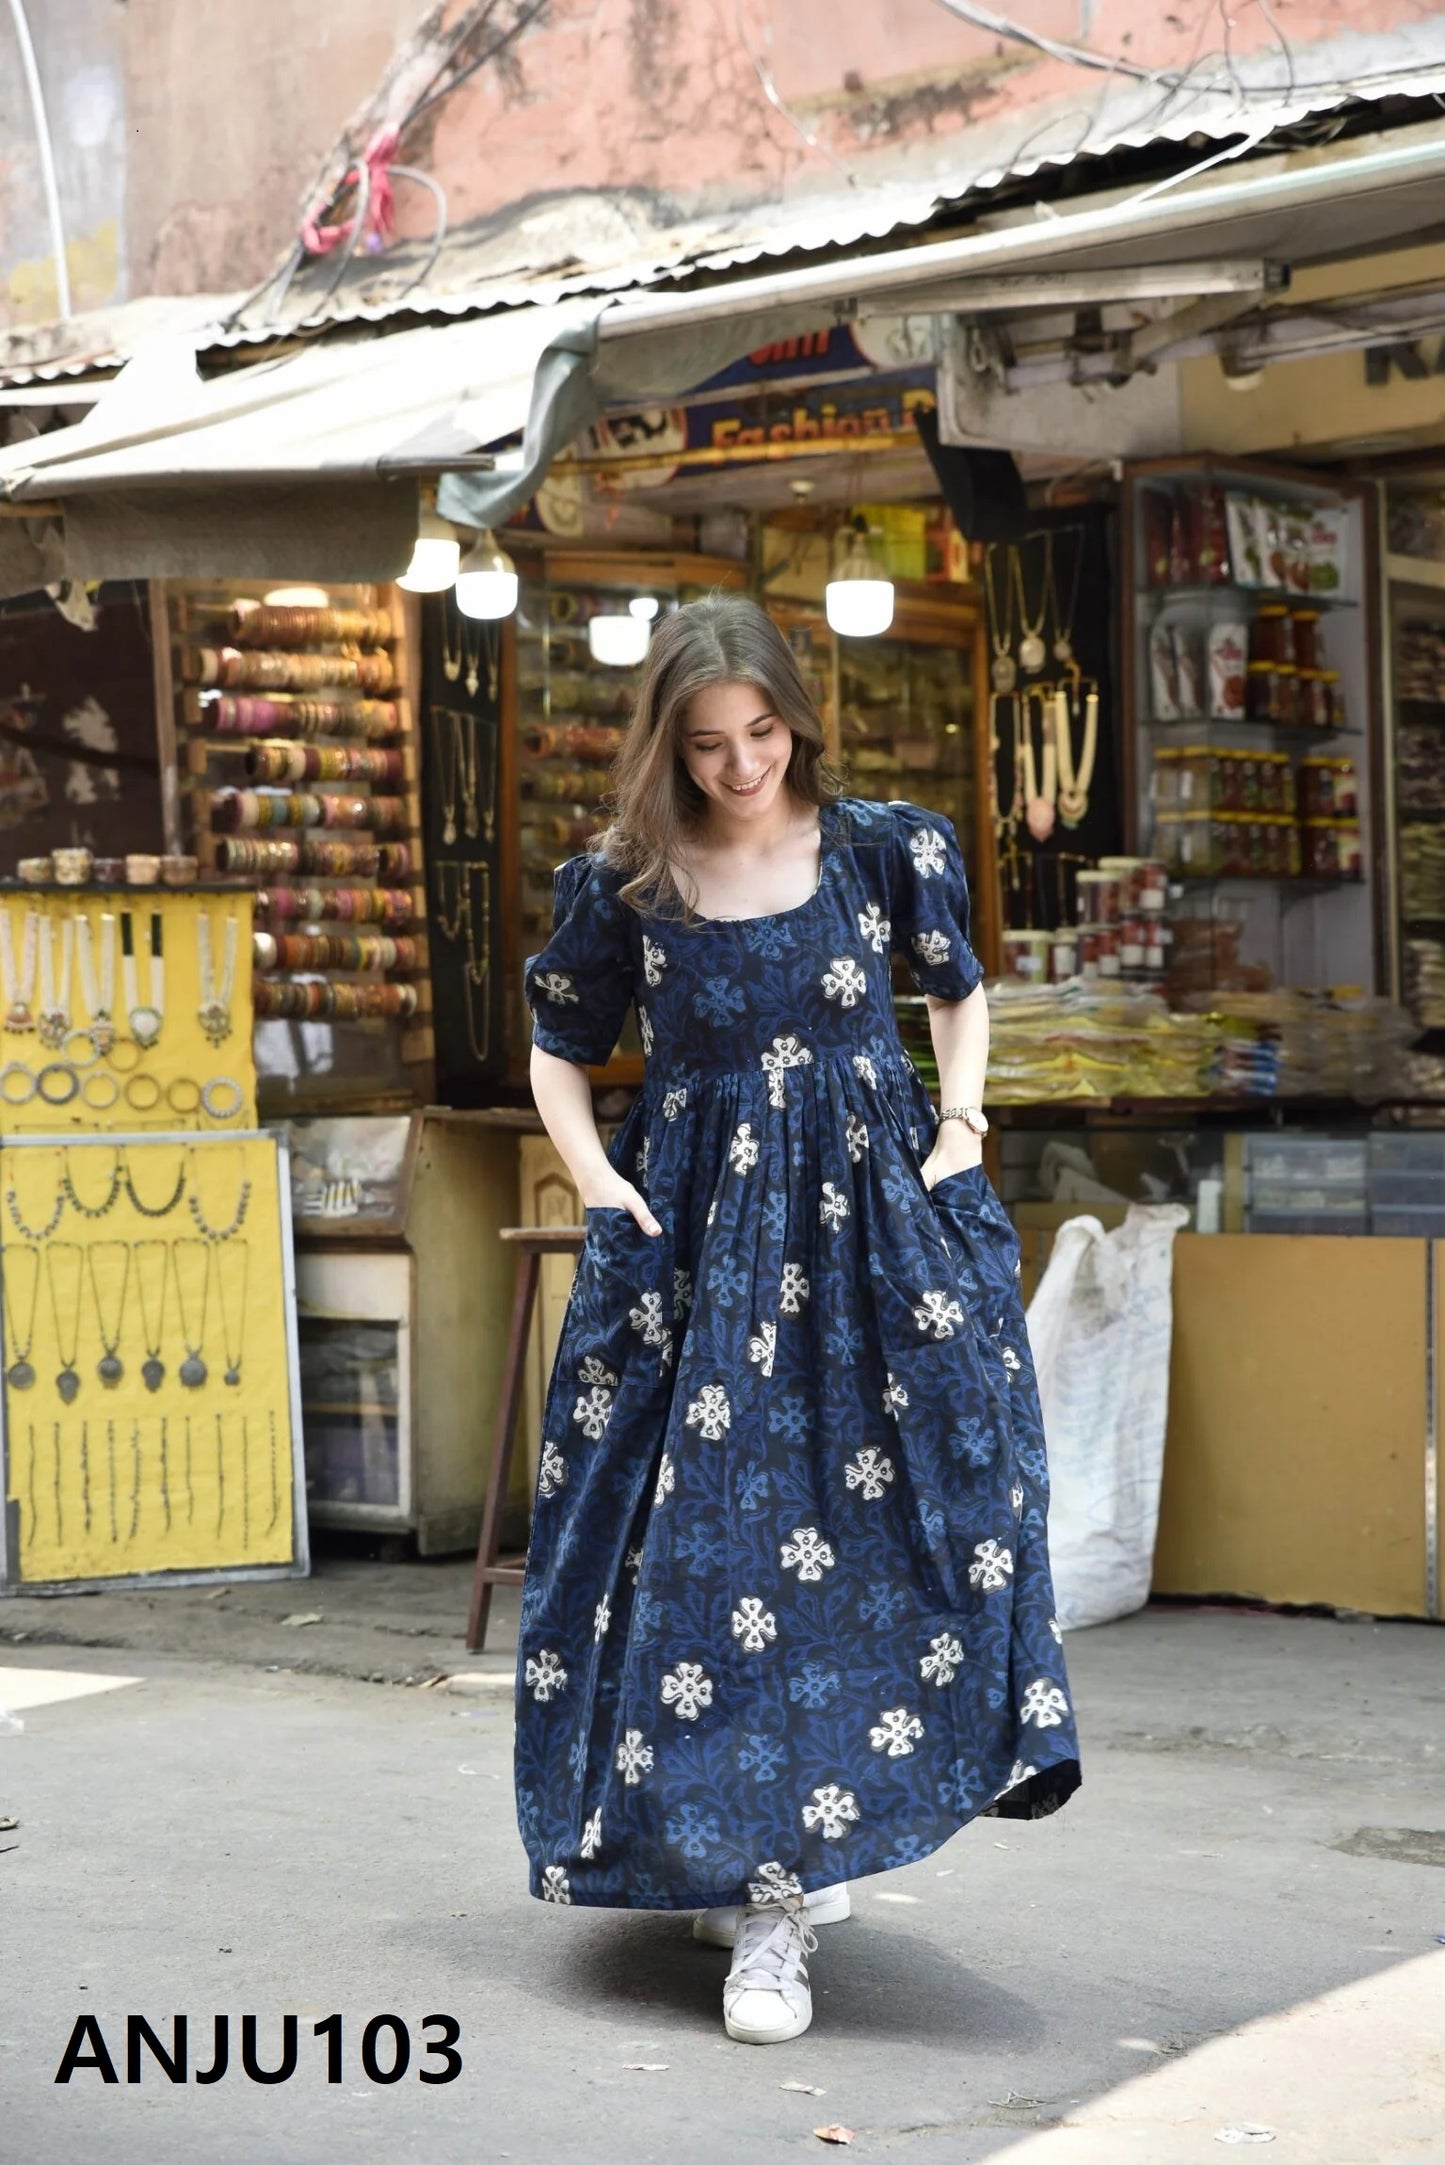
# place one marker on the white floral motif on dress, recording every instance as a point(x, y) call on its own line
point(674, 1101)
point(1011, 1360)
point(875, 928)
point(593, 1412)
point(993, 1568)
point(1017, 1773)
point(592, 1370)
point(687, 1690)
point(1044, 1703)
point(591, 1840)
point(871, 1472)
point(666, 1480)
point(787, 1052)
point(654, 961)
point(647, 1318)
point(833, 1811)
point(643, 1157)
point(710, 1412)
point(865, 1069)
point(744, 1150)
point(544, 1675)
point(1016, 1498)
point(932, 947)
point(558, 986)
point(807, 1553)
point(634, 1758)
point(894, 1395)
point(754, 1624)
point(773, 1884)
point(845, 981)
point(793, 1291)
point(681, 1294)
point(762, 1348)
point(552, 1473)
point(556, 1886)
point(897, 1732)
point(937, 1315)
point(855, 1134)
point(1057, 1629)
point(632, 1564)
point(833, 1208)
point(601, 1618)
point(644, 1029)
point(930, 851)
point(941, 1664)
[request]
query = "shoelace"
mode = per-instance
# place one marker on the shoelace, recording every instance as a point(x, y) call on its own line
point(772, 1951)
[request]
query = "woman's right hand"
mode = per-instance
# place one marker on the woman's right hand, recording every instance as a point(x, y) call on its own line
point(611, 1192)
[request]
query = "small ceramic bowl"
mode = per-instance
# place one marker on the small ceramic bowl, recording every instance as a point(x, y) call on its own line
point(73, 866)
point(109, 871)
point(142, 871)
point(36, 869)
point(179, 871)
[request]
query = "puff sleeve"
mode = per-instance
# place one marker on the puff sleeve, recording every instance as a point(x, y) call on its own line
point(928, 905)
point(579, 987)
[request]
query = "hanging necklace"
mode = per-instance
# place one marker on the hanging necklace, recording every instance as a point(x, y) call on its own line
point(452, 656)
point(444, 728)
point(1004, 669)
point(110, 1368)
point(19, 987)
point(460, 925)
point(53, 1022)
point(1039, 802)
point(39, 1234)
point(204, 1227)
point(215, 1007)
point(20, 1375)
point(153, 1373)
point(154, 1210)
point(1075, 782)
point(89, 1210)
point(1063, 625)
point(471, 634)
point(145, 1021)
point(99, 989)
point(1032, 651)
point(467, 770)
point(233, 1360)
point(68, 1380)
point(193, 1370)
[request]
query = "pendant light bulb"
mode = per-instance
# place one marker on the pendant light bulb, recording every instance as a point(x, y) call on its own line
point(617, 641)
point(859, 596)
point(434, 559)
point(487, 580)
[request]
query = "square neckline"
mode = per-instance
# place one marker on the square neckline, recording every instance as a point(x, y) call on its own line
point(827, 850)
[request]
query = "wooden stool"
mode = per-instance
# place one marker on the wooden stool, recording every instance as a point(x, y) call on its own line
point(534, 1241)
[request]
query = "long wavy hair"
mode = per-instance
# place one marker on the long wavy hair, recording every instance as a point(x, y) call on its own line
point(655, 805)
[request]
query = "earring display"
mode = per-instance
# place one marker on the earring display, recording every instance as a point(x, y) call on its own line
point(149, 1361)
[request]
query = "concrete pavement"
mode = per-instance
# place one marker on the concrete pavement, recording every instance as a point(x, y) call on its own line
point(223, 1839)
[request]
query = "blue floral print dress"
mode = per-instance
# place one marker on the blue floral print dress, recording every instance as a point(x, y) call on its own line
point(787, 1617)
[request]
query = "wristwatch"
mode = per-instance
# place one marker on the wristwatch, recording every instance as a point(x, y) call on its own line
point(971, 1116)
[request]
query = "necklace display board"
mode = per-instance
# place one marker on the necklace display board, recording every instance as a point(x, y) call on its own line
point(125, 1010)
point(151, 1422)
point(464, 664)
point(300, 759)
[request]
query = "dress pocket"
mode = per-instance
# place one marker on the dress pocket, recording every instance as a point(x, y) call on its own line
point(976, 1221)
point(620, 1320)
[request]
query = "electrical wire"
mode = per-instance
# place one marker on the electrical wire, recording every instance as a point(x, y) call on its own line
point(775, 98)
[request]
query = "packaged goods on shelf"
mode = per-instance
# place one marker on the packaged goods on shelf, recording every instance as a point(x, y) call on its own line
point(1422, 871)
point(1075, 1041)
point(1424, 965)
point(1420, 660)
point(1304, 1044)
point(1419, 767)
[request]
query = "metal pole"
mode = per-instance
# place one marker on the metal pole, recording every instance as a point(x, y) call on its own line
point(47, 157)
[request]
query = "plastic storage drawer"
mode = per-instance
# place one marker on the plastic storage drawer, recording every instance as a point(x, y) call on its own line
point(1411, 1224)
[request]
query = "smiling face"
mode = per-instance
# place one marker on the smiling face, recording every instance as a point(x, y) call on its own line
point(736, 748)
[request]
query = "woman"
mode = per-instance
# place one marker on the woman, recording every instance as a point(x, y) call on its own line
point(787, 1617)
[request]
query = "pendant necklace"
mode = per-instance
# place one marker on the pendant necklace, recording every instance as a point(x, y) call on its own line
point(1064, 625)
point(193, 1370)
point(215, 1007)
point(67, 1381)
point(452, 656)
point(444, 728)
point(204, 1226)
point(467, 771)
point(19, 988)
point(471, 635)
point(146, 1020)
point(99, 988)
point(53, 1021)
point(1075, 783)
point(483, 802)
point(110, 1368)
point(1039, 802)
point(20, 1375)
point(90, 1210)
point(41, 1233)
point(1004, 669)
point(233, 1360)
point(1032, 651)
point(153, 1372)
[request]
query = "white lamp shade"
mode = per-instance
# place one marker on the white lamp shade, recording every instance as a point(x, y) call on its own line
point(859, 608)
point(434, 559)
point(644, 605)
point(487, 581)
point(619, 641)
point(298, 597)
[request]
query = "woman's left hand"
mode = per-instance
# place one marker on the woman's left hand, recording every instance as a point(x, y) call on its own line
point(956, 1148)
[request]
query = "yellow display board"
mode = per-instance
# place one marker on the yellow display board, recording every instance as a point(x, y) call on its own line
point(150, 1398)
point(95, 1040)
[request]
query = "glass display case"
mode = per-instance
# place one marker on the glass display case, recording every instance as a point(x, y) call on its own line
point(1415, 761)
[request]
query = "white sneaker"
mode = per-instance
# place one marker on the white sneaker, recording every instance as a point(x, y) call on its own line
point(766, 1999)
point(719, 1927)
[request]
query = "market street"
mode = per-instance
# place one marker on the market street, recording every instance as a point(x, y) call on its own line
point(254, 1840)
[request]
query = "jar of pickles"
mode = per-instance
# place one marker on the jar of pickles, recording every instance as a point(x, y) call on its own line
point(1098, 897)
point(1328, 788)
point(1026, 955)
